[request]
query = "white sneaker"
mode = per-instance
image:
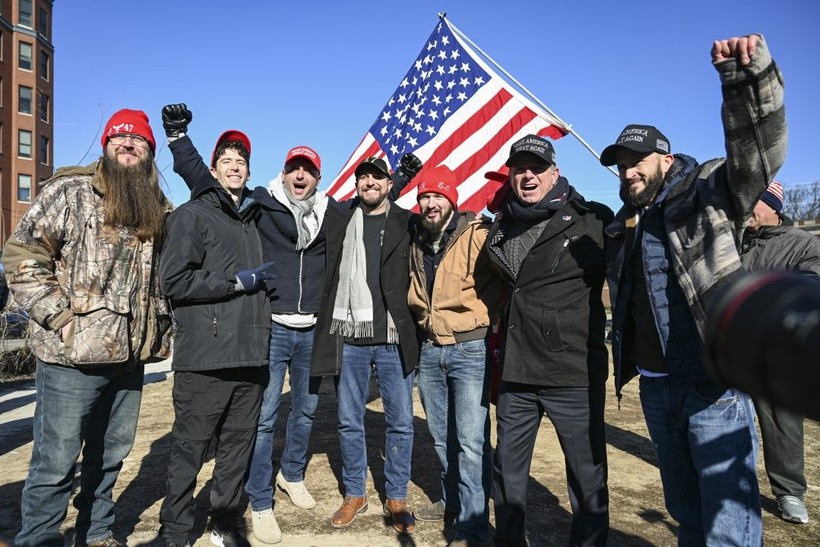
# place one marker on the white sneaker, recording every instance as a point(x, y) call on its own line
point(299, 495)
point(265, 527)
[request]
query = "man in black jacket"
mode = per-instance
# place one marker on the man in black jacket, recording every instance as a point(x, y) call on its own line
point(547, 244)
point(771, 243)
point(365, 324)
point(211, 273)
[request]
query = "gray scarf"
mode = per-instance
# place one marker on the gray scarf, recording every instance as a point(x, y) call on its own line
point(301, 209)
point(353, 307)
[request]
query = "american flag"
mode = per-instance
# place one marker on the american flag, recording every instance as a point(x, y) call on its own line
point(451, 108)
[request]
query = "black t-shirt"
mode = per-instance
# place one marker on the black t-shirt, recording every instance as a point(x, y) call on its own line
point(373, 227)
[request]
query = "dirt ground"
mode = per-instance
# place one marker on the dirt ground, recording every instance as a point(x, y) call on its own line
point(638, 516)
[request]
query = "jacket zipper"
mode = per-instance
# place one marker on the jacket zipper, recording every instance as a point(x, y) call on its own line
point(560, 254)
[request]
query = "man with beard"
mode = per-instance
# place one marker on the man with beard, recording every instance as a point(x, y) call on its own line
point(673, 246)
point(292, 227)
point(452, 291)
point(771, 242)
point(547, 245)
point(83, 262)
point(211, 272)
point(364, 325)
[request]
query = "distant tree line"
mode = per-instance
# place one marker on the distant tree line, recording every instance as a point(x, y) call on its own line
point(802, 201)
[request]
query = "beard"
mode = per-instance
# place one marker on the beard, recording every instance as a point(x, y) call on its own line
point(133, 198)
point(646, 196)
point(373, 202)
point(436, 226)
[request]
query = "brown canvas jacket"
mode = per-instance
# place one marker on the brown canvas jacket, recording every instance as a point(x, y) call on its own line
point(466, 295)
point(64, 265)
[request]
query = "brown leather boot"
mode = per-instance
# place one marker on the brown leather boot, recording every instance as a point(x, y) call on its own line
point(347, 513)
point(403, 521)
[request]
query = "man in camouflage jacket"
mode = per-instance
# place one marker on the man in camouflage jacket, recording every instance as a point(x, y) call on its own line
point(83, 263)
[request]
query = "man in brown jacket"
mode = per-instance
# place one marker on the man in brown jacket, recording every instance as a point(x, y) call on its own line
point(83, 263)
point(451, 292)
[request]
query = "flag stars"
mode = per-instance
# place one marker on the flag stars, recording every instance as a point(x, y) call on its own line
point(453, 69)
point(440, 70)
point(413, 142)
point(430, 130)
point(394, 149)
point(442, 55)
point(386, 116)
point(464, 82)
point(446, 111)
point(479, 80)
point(433, 114)
point(402, 98)
point(417, 127)
point(404, 83)
point(418, 65)
point(461, 96)
point(445, 39)
point(451, 84)
point(436, 100)
point(465, 67)
point(427, 60)
point(432, 45)
point(455, 54)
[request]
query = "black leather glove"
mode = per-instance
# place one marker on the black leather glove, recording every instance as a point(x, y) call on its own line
point(250, 280)
point(175, 119)
point(410, 165)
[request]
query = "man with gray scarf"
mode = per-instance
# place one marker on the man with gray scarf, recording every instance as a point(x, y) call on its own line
point(364, 325)
point(292, 228)
point(547, 244)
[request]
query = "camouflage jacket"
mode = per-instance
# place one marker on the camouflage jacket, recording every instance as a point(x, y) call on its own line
point(64, 265)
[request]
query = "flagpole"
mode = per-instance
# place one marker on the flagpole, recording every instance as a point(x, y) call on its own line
point(529, 94)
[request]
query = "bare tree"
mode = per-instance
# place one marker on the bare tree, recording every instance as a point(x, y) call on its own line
point(802, 201)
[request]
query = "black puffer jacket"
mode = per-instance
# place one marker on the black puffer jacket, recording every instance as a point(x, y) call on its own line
point(783, 247)
point(208, 241)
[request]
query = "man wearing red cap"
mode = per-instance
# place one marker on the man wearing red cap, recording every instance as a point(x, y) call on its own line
point(83, 262)
point(771, 242)
point(452, 297)
point(211, 272)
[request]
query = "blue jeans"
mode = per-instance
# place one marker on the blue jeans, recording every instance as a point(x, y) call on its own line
point(98, 406)
point(707, 455)
point(396, 390)
point(289, 349)
point(454, 388)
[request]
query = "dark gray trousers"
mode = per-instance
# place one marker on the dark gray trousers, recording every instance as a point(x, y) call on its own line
point(782, 437)
point(577, 413)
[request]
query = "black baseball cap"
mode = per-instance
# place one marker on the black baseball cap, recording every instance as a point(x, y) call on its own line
point(535, 145)
point(640, 138)
point(378, 163)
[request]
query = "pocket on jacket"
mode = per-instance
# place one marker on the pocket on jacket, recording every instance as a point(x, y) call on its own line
point(550, 330)
point(99, 334)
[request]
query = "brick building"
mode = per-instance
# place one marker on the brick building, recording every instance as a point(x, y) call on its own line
point(26, 105)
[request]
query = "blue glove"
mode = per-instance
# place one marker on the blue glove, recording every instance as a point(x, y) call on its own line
point(250, 280)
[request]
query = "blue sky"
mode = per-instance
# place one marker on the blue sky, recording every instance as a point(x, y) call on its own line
point(318, 73)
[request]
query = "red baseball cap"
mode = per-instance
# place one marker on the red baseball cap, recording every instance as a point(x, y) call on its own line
point(231, 135)
point(304, 152)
